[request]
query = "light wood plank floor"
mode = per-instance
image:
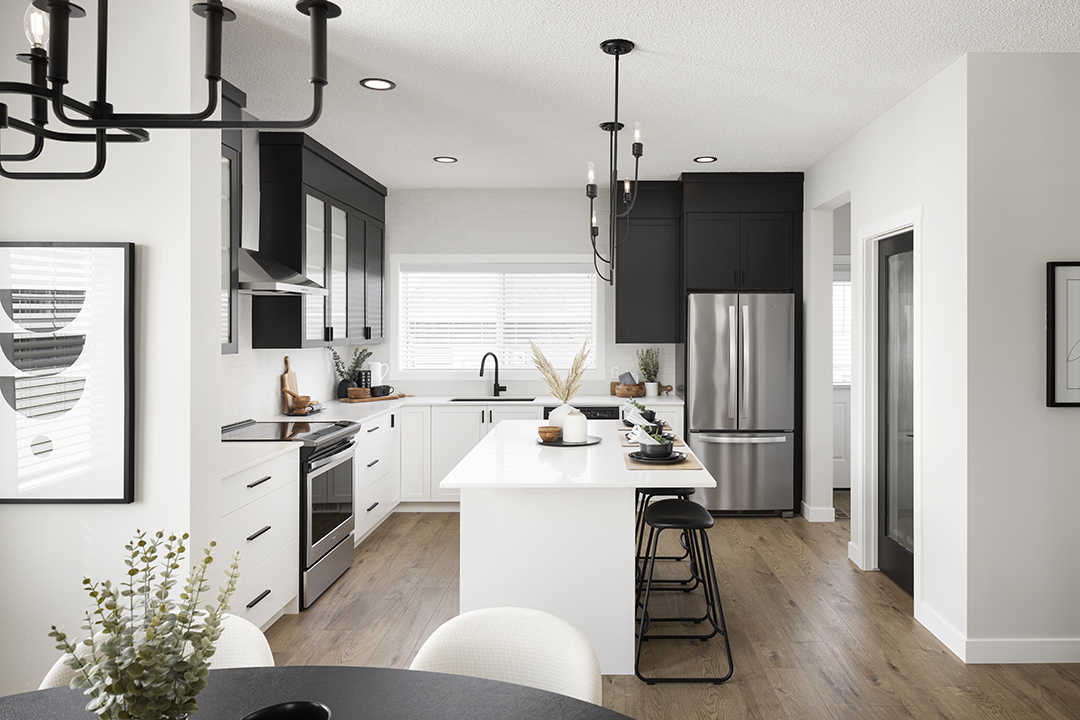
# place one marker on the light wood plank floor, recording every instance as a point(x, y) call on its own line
point(813, 637)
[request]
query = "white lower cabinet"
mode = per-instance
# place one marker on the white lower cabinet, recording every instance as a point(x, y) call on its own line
point(261, 518)
point(376, 472)
point(415, 453)
point(673, 417)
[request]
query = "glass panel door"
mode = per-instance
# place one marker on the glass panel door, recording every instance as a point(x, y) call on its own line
point(315, 268)
point(896, 443)
point(339, 271)
point(226, 250)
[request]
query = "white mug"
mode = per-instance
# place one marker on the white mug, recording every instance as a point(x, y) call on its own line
point(379, 371)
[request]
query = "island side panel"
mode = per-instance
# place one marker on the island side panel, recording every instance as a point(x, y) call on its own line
point(566, 551)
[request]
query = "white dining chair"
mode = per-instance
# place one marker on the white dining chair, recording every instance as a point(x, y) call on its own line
point(515, 645)
point(241, 644)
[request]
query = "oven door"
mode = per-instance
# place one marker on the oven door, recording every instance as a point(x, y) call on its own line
point(328, 503)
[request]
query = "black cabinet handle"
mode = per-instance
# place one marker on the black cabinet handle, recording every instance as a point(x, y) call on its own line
point(481, 417)
point(374, 429)
point(257, 600)
point(260, 481)
point(373, 506)
point(489, 417)
point(252, 537)
point(370, 464)
point(367, 333)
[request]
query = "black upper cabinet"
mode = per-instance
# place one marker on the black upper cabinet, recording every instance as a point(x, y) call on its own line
point(373, 278)
point(316, 215)
point(739, 251)
point(647, 280)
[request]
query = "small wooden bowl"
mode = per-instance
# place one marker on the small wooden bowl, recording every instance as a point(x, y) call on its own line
point(359, 393)
point(632, 391)
point(301, 403)
point(549, 433)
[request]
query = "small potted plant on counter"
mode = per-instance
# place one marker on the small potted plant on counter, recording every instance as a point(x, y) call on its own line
point(349, 376)
point(649, 364)
point(148, 656)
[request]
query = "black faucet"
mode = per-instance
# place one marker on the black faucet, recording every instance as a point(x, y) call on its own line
point(483, 360)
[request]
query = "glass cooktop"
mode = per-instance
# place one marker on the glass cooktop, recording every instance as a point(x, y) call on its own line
point(311, 433)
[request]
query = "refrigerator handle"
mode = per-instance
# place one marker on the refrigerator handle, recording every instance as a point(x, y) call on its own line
point(746, 360)
point(742, 440)
point(733, 362)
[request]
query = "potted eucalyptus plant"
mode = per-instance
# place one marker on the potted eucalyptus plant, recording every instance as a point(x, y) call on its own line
point(349, 376)
point(147, 656)
point(649, 365)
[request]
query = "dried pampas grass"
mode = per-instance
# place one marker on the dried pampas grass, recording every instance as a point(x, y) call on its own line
point(562, 388)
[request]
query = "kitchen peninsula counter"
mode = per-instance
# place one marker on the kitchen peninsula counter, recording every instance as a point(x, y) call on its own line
point(552, 528)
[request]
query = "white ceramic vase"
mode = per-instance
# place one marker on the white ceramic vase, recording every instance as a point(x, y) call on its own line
point(555, 417)
point(575, 428)
point(652, 389)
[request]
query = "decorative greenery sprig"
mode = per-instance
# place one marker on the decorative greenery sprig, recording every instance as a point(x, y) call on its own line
point(648, 361)
point(659, 437)
point(352, 372)
point(562, 388)
point(148, 656)
point(639, 406)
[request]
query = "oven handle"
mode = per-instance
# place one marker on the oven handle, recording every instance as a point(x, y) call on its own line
point(332, 461)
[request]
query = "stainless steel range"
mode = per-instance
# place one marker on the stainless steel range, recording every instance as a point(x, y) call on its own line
point(326, 494)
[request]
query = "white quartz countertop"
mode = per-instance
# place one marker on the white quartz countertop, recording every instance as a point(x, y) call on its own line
point(510, 457)
point(238, 456)
point(359, 412)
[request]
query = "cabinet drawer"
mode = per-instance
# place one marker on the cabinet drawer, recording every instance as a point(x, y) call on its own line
point(260, 528)
point(373, 460)
point(277, 574)
point(249, 485)
point(375, 503)
point(373, 429)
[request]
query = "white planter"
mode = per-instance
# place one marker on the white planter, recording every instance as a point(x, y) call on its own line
point(575, 427)
point(556, 416)
point(652, 389)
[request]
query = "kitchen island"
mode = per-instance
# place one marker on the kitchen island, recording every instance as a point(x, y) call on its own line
point(552, 528)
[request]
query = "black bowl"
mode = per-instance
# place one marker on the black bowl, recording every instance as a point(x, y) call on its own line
point(295, 710)
point(655, 451)
point(649, 415)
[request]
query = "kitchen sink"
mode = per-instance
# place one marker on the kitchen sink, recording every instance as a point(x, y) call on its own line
point(492, 399)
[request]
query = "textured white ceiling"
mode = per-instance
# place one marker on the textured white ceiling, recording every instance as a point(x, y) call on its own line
point(516, 90)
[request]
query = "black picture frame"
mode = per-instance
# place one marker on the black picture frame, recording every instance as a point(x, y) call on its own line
point(67, 372)
point(1063, 334)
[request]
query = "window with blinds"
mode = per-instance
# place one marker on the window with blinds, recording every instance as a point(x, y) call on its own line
point(450, 315)
point(841, 332)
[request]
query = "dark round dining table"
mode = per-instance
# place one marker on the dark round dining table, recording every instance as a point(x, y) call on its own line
point(351, 693)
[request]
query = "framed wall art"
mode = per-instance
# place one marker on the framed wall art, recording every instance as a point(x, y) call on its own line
point(1063, 334)
point(66, 372)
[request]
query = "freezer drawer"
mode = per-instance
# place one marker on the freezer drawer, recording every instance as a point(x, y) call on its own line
point(754, 472)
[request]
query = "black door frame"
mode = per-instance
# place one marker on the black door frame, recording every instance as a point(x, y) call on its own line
point(894, 560)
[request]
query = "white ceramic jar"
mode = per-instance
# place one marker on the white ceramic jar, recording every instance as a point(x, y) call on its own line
point(575, 427)
point(555, 417)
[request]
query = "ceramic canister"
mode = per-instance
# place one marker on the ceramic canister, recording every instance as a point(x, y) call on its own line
point(575, 428)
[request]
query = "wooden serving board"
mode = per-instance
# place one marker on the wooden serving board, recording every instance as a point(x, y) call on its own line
point(384, 397)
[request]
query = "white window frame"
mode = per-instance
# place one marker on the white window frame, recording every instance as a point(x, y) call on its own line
point(394, 313)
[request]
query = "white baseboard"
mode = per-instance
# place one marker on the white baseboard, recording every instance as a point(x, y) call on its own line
point(818, 514)
point(1055, 650)
point(854, 554)
point(428, 507)
point(942, 630)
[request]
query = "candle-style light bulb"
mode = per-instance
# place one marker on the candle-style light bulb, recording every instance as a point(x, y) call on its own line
point(592, 175)
point(637, 132)
point(36, 26)
point(594, 219)
point(626, 186)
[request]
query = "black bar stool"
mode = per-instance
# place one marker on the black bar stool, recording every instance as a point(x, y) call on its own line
point(692, 520)
point(644, 497)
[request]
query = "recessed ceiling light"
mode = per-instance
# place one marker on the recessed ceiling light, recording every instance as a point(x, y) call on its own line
point(378, 84)
point(705, 159)
point(445, 159)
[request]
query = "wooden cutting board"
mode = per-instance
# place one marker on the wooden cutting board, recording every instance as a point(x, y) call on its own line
point(384, 397)
point(288, 382)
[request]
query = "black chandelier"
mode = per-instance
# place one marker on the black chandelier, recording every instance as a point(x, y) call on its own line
point(629, 193)
point(47, 23)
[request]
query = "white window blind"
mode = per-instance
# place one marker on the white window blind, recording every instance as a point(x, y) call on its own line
point(841, 332)
point(451, 315)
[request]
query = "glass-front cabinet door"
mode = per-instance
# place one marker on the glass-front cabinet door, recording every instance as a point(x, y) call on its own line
point(230, 243)
point(315, 268)
point(339, 275)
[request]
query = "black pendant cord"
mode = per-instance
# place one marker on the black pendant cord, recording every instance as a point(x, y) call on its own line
point(614, 190)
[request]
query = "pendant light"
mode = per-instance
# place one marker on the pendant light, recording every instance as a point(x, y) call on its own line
point(616, 48)
point(47, 22)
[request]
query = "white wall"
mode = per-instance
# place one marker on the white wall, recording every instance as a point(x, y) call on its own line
point(913, 160)
point(153, 195)
point(497, 221)
point(1023, 484)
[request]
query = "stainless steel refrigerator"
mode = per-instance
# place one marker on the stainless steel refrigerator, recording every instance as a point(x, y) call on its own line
point(740, 385)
